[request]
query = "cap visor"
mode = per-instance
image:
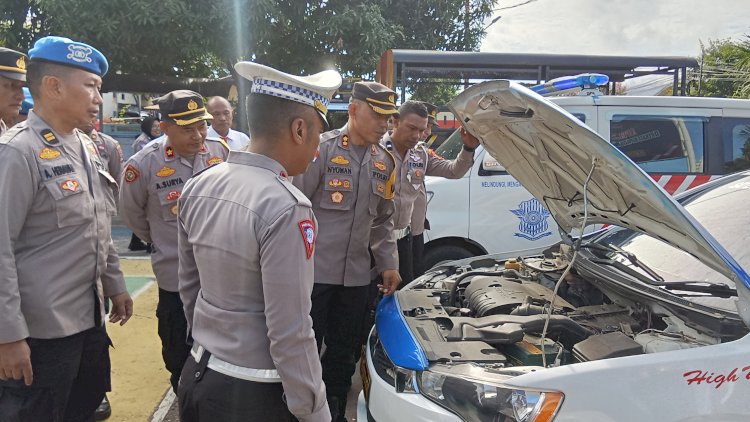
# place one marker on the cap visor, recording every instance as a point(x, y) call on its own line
point(13, 75)
point(381, 110)
point(190, 120)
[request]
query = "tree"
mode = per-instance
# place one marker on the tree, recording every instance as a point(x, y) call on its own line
point(21, 22)
point(724, 69)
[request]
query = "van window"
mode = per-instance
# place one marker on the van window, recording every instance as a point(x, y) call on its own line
point(736, 136)
point(660, 144)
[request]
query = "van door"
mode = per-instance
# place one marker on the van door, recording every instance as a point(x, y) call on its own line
point(668, 143)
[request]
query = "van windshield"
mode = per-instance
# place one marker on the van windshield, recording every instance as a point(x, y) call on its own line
point(450, 148)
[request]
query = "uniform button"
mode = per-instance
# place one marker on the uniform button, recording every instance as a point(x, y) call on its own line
point(198, 374)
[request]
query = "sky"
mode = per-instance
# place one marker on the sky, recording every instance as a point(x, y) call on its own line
point(616, 27)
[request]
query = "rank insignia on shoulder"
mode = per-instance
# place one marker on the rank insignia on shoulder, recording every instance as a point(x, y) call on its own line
point(165, 171)
point(173, 195)
point(373, 150)
point(131, 174)
point(308, 236)
point(379, 165)
point(174, 209)
point(337, 197)
point(49, 136)
point(49, 154)
point(169, 152)
point(340, 160)
point(214, 160)
point(70, 185)
point(345, 141)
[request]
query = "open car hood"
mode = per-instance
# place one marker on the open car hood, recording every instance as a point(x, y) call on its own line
point(551, 153)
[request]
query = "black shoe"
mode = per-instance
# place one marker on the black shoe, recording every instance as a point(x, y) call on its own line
point(337, 406)
point(138, 247)
point(103, 411)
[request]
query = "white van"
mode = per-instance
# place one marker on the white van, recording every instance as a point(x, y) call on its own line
point(681, 142)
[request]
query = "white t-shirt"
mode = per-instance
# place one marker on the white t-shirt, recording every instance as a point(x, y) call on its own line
point(236, 140)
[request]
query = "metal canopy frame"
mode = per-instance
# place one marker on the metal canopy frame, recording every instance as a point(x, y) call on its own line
point(399, 66)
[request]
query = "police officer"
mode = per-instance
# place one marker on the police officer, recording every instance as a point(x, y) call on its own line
point(413, 163)
point(57, 259)
point(151, 184)
point(221, 126)
point(350, 185)
point(419, 214)
point(107, 148)
point(247, 296)
point(12, 79)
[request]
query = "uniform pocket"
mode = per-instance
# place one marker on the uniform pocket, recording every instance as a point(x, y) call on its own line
point(337, 193)
point(377, 194)
point(72, 206)
point(168, 202)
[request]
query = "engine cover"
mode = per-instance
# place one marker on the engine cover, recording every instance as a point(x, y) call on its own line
point(487, 295)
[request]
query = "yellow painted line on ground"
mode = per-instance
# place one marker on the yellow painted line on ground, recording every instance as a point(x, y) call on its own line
point(139, 379)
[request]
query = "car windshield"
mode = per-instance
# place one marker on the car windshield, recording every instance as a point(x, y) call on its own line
point(721, 210)
point(450, 148)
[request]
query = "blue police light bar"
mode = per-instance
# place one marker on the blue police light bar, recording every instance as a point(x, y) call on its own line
point(399, 343)
point(584, 80)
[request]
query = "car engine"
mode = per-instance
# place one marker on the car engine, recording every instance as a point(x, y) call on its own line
point(494, 314)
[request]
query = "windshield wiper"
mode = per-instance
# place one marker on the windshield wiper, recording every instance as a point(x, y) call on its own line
point(629, 256)
point(719, 289)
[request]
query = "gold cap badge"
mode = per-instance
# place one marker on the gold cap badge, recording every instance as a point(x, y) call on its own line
point(21, 63)
point(192, 105)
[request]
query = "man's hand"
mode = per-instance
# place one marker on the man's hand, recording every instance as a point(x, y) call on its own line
point(391, 280)
point(469, 140)
point(122, 308)
point(15, 362)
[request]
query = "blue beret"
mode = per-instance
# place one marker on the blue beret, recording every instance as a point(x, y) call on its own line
point(67, 52)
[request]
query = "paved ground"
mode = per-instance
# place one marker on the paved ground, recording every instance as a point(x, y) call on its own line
point(140, 384)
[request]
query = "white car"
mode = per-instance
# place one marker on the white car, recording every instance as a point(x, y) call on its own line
point(646, 320)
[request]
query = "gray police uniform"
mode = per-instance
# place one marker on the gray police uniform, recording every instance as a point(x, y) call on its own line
point(152, 181)
point(3, 128)
point(352, 199)
point(57, 261)
point(237, 288)
point(417, 163)
point(109, 151)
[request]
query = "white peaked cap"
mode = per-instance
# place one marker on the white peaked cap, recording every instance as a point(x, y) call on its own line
point(314, 90)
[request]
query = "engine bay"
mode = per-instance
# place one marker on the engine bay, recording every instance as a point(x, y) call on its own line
point(495, 314)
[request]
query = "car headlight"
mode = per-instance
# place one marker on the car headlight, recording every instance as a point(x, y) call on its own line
point(474, 400)
point(402, 379)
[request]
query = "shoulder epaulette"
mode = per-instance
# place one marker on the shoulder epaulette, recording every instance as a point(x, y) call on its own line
point(296, 193)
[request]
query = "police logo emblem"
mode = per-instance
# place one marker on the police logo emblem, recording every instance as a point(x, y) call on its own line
point(337, 197)
point(131, 174)
point(347, 184)
point(173, 210)
point(533, 216)
point(49, 154)
point(165, 171)
point(79, 53)
point(340, 160)
point(417, 173)
point(308, 236)
point(391, 98)
point(192, 105)
point(71, 185)
point(381, 188)
point(320, 106)
point(21, 63)
point(173, 195)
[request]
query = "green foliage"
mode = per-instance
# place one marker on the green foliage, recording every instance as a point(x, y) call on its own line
point(437, 92)
point(725, 70)
point(194, 38)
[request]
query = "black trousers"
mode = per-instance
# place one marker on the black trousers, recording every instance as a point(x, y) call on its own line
point(405, 260)
point(417, 248)
point(71, 375)
point(173, 333)
point(207, 395)
point(337, 314)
